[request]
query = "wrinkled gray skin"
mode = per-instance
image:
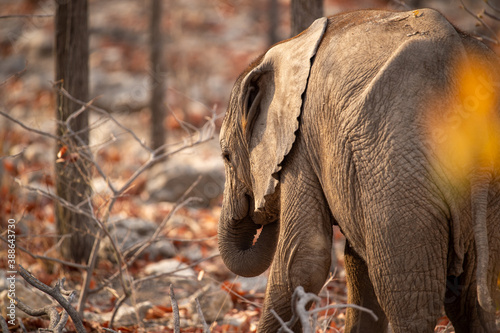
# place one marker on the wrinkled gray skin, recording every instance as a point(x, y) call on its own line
point(329, 127)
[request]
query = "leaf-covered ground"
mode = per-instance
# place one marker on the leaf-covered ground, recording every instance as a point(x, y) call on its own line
point(207, 44)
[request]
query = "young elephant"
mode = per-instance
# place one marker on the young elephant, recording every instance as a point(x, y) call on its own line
point(386, 124)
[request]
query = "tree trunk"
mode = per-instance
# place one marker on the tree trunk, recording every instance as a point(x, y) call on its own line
point(304, 12)
point(73, 173)
point(157, 107)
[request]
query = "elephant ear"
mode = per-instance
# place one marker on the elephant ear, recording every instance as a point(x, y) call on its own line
point(271, 97)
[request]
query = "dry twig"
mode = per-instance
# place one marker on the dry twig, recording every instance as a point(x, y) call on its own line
point(63, 297)
point(300, 300)
point(159, 275)
point(118, 305)
point(478, 18)
point(284, 326)
point(206, 328)
point(492, 16)
point(28, 128)
point(88, 273)
point(107, 114)
point(25, 16)
point(3, 325)
point(403, 4)
point(175, 310)
point(36, 256)
point(496, 9)
point(48, 310)
point(22, 326)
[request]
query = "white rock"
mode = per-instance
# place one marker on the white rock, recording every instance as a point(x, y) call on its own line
point(214, 303)
point(127, 315)
point(252, 285)
point(169, 180)
point(169, 265)
point(131, 231)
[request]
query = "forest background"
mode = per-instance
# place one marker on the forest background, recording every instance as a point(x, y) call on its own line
point(154, 208)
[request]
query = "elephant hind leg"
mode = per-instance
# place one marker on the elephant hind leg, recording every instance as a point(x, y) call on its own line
point(360, 292)
point(461, 304)
point(411, 294)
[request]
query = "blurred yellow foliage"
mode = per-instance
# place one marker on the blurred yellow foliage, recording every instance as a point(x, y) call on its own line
point(467, 134)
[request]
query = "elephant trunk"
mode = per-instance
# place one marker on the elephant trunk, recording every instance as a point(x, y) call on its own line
point(238, 250)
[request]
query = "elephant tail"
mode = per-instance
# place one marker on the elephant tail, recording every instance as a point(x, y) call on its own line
point(480, 184)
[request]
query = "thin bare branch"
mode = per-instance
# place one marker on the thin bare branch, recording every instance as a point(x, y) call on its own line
point(62, 322)
point(175, 310)
point(118, 254)
point(88, 274)
point(118, 305)
point(18, 74)
point(102, 111)
point(159, 275)
point(144, 245)
point(187, 127)
point(13, 155)
point(135, 247)
point(492, 16)
point(87, 151)
point(190, 98)
point(182, 202)
point(205, 133)
point(32, 312)
point(3, 324)
point(284, 326)
point(194, 240)
point(481, 21)
point(48, 310)
point(65, 203)
point(342, 306)
point(36, 256)
point(403, 4)
point(482, 37)
point(300, 299)
point(28, 128)
point(78, 112)
point(155, 159)
point(119, 258)
point(94, 125)
point(492, 6)
point(110, 330)
point(206, 328)
point(242, 298)
point(14, 16)
point(185, 145)
point(56, 293)
point(22, 325)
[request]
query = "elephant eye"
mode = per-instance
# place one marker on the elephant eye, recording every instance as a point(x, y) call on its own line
point(226, 157)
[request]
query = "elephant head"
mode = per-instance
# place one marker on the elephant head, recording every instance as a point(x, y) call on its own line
point(257, 133)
